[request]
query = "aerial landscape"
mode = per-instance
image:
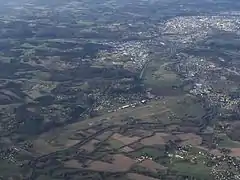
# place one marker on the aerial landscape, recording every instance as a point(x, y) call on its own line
point(120, 90)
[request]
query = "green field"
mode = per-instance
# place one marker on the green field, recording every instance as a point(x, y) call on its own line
point(199, 170)
point(148, 151)
point(156, 154)
point(226, 142)
point(160, 79)
point(8, 169)
point(115, 144)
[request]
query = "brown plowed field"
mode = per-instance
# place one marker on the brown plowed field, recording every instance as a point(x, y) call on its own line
point(154, 140)
point(190, 139)
point(125, 139)
point(135, 176)
point(73, 164)
point(120, 163)
point(235, 152)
